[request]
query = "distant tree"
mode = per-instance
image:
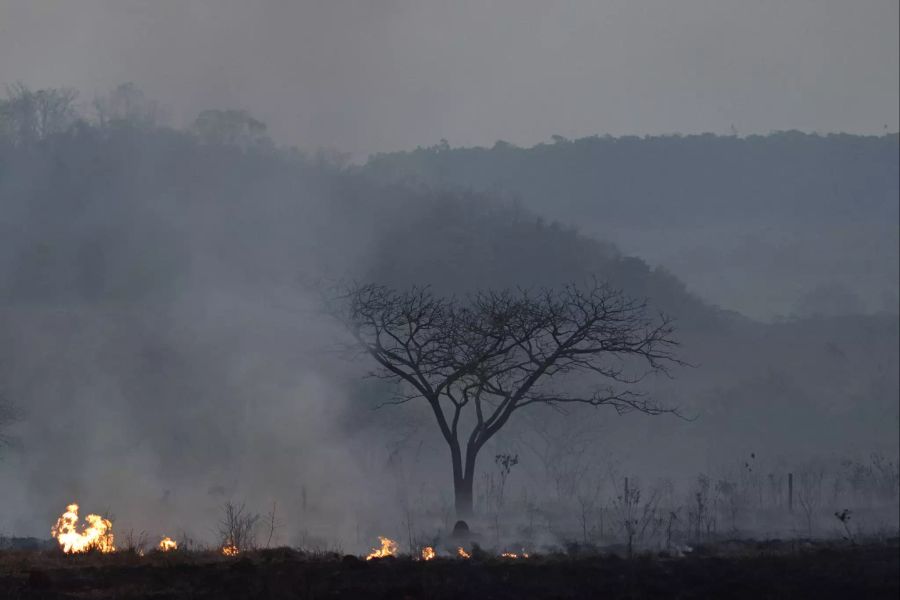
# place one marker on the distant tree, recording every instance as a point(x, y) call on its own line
point(230, 127)
point(477, 362)
point(29, 116)
point(127, 104)
point(809, 494)
point(8, 416)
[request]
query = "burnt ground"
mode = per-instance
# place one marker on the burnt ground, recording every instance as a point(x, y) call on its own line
point(738, 570)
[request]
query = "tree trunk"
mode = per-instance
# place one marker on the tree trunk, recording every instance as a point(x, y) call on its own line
point(463, 478)
point(462, 489)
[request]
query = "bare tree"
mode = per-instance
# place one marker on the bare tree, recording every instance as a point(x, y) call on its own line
point(809, 494)
point(273, 525)
point(703, 519)
point(477, 361)
point(563, 448)
point(237, 528)
point(587, 493)
point(635, 515)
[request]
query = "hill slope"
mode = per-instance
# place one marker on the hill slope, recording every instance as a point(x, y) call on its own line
point(768, 225)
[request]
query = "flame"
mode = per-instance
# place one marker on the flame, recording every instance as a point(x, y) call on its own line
point(514, 555)
point(460, 552)
point(388, 548)
point(230, 550)
point(97, 535)
point(167, 544)
point(428, 553)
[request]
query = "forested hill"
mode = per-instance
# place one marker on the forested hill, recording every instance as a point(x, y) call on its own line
point(673, 179)
point(787, 223)
point(122, 214)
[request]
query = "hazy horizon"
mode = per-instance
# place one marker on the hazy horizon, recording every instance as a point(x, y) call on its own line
point(390, 75)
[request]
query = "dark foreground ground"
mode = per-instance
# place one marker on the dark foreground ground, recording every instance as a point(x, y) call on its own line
point(737, 570)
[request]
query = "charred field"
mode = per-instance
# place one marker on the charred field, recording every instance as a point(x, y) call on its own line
point(745, 569)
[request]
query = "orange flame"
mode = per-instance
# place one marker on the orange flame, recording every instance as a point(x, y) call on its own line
point(460, 552)
point(96, 536)
point(514, 555)
point(388, 548)
point(230, 550)
point(167, 544)
point(428, 553)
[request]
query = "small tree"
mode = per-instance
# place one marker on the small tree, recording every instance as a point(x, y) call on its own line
point(635, 515)
point(587, 493)
point(237, 528)
point(809, 493)
point(476, 362)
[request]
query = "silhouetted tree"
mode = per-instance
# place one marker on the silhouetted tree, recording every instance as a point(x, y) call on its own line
point(127, 104)
point(27, 116)
point(7, 417)
point(476, 362)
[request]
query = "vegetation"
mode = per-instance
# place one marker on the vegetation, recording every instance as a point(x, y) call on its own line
point(672, 179)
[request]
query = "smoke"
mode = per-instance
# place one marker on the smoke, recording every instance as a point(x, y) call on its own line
point(157, 328)
point(372, 76)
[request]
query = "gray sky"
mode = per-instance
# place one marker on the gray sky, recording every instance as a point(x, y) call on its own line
point(369, 75)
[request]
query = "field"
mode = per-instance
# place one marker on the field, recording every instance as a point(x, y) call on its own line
point(789, 569)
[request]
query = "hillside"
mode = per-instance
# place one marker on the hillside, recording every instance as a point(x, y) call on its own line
point(787, 223)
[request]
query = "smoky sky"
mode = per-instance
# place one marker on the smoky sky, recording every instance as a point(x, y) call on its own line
point(380, 75)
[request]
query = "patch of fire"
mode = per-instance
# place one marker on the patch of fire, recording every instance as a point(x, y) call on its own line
point(97, 535)
point(514, 555)
point(461, 552)
point(388, 548)
point(428, 553)
point(230, 550)
point(167, 544)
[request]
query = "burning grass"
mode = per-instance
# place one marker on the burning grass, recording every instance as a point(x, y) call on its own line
point(388, 548)
point(167, 544)
point(95, 535)
point(86, 563)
